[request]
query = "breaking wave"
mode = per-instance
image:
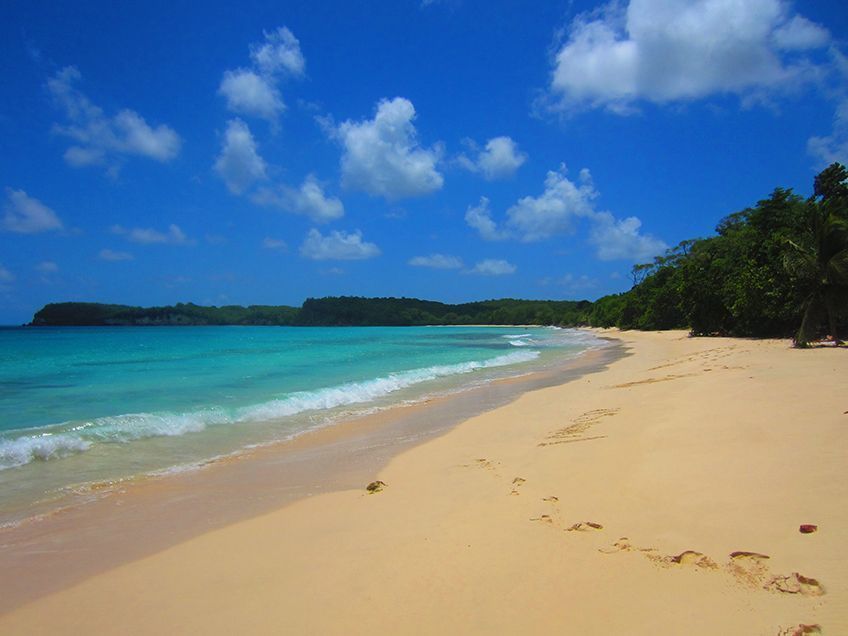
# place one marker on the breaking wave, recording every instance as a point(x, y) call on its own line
point(18, 448)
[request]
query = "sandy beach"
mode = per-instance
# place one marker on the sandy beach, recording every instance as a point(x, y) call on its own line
point(662, 495)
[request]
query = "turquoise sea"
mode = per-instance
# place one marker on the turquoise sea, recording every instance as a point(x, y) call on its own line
point(86, 406)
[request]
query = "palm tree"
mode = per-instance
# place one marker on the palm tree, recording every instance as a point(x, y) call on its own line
point(818, 261)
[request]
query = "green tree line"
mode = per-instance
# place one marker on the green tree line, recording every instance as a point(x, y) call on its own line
point(778, 268)
point(333, 311)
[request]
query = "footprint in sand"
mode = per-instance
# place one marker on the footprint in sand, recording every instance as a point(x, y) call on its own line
point(484, 464)
point(795, 583)
point(516, 484)
point(801, 629)
point(574, 431)
point(685, 558)
point(622, 545)
point(749, 567)
point(585, 526)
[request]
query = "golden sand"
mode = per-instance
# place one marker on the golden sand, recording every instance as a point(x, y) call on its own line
point(664, 495)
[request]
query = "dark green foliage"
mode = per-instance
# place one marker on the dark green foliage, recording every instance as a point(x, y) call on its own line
point(818, 258)
point(345, 310)
point(327, 312)
point(770, 268)
point(96, 314)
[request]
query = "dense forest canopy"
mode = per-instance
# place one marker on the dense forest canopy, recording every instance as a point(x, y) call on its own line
point(778, 268)
point(325, 312)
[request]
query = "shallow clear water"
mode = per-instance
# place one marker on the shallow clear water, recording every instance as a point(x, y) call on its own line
point(80, 406)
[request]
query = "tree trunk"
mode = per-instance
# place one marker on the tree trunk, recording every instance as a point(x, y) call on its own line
point(830, 306)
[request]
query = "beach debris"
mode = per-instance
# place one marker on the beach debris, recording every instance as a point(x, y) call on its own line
point(375, 486)
point(807, 528)
point(795, 583)
point(545, 518)
point(584, 526)
point(552, 499)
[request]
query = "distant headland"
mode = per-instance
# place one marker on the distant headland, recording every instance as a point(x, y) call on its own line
point(321, 312)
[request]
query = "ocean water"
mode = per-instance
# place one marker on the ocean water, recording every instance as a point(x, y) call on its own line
point(80, 407)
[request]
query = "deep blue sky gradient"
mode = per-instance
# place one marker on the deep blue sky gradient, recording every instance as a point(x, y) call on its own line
point(472, 69)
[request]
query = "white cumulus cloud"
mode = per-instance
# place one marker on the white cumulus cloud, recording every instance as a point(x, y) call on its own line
point(668, 50)
point(309, 199)
point(833, 147)
point(382, 156)
point(337, 245)
point(27, 215)
point(557, 211)
point(100, 139)
point(493, 267)
point(499, 159)
point(239, 163)
point(279, 53)
point(618, 239)
point(254, 91)
point(479, 217)
point(248, 93)
point(437, 261)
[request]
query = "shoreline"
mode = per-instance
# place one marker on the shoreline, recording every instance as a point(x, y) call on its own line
point(663, 494)
point(132, 518)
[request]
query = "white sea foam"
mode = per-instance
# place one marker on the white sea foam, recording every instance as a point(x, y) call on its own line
point(23, 450)
point(70, 438)
point(359, 392)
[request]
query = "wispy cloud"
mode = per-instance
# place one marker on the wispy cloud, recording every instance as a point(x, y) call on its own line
point(114, 256)
point(437, 261)
point(274, 244)
point(24, 214)
point(149, 236)
point(99, 139)
point(309, 199)
point(6, 278)
point(47, 267)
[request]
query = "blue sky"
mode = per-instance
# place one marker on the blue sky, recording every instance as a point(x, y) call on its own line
point(455, 150)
